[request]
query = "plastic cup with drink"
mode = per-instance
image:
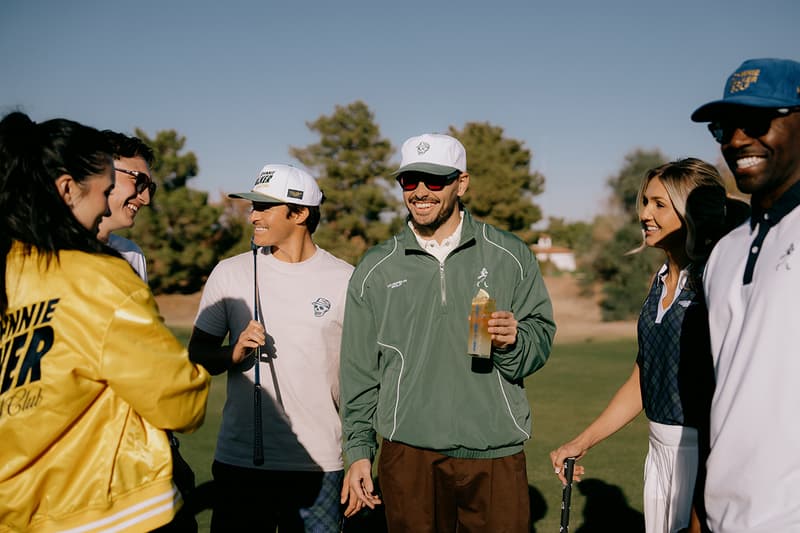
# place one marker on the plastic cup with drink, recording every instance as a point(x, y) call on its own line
point(480, 340)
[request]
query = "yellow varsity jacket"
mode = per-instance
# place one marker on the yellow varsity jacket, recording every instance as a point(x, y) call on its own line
point(89, 380)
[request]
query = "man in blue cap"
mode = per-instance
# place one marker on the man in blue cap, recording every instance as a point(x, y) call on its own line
point(752, 284)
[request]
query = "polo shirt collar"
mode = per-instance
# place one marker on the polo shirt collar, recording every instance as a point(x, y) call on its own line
point(782, 207)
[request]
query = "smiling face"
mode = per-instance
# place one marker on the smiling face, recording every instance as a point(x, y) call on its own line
point(434, 214)
point(662, 226)
point(89, 199)
point(124, 202)
point(768, 164)
point(273, 224)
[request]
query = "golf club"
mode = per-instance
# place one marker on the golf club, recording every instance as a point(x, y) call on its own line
point(566, 494)
point(258, 444)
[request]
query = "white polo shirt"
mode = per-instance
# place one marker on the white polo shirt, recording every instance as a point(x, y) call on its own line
point(753, 482)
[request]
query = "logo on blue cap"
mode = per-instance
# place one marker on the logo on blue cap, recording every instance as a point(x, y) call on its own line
point(764, 83)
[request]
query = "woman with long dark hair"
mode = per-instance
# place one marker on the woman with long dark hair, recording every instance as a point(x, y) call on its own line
point(90, 378)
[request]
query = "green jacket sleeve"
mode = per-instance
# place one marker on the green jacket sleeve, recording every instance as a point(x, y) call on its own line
point(535, 329)
point(359, 375)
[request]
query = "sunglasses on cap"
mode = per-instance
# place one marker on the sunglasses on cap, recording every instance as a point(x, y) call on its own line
point(143, 181)
point(409, 181)
point(753, 122)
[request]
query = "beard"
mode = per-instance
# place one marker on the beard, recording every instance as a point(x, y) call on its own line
point(429, 227)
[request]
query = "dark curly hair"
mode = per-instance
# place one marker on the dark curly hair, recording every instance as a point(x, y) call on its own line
point(128, 146)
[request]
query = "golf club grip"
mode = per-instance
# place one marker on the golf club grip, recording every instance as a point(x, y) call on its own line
point(566, 494)
point(258, 443)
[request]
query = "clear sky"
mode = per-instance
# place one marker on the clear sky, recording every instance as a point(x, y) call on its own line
point(580, 82)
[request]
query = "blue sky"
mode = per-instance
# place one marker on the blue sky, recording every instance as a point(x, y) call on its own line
point(580, 82)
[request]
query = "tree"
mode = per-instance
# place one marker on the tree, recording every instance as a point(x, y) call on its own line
point(502, 185)
point(624, 277)
point(574, 235)
point(181, 234)
point(625, 185)
point(351, 163)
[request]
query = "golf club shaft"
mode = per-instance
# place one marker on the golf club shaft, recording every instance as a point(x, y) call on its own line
point(258, 443)
point(566, 494)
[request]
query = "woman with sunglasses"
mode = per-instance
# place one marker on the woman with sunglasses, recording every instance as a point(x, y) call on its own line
point(89, 376)
point(133, 189)
point(683, 210)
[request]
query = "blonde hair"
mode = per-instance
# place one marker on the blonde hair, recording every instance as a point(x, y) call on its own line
point(697, 193)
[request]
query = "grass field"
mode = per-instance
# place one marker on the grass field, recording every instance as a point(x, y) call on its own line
point(565, 396)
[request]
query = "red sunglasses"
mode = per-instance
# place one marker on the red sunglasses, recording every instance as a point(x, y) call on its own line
point(409, 181)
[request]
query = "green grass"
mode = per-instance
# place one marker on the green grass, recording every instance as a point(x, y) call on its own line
point(565, 396)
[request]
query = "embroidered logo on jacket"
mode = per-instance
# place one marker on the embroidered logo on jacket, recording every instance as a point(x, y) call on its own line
point(482, 278)
point(321, 306)
point(396, 284)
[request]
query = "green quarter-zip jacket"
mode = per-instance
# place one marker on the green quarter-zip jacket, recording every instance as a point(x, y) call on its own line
point(405, 371)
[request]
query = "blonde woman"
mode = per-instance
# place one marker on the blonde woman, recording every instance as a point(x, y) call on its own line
point(682, 208)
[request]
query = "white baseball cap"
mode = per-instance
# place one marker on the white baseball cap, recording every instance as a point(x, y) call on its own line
point(283, 184)
point(433, 153)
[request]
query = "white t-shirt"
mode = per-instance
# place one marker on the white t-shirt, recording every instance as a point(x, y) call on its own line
point(131, 252)
point(302, 305)
point(753, 480)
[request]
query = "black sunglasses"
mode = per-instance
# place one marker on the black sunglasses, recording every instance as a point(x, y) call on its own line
point(754, 123)
point(264, 206)
point(409, 181)
point(143, 181)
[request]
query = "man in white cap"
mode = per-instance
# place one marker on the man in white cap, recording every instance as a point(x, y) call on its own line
point(752, 284)
point(297, 291)
point(453, 426)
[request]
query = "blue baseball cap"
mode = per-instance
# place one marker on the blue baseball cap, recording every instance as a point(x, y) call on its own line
point(767, 83)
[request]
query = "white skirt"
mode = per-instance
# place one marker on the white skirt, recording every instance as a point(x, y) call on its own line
point(670, 472)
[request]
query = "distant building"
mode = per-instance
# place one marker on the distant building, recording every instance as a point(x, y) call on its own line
point(561, 258)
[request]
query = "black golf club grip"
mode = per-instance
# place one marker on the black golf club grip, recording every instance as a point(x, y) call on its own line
point(566, 494)
point(258, 444)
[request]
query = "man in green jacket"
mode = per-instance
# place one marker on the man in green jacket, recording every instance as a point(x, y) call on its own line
point(453, 426)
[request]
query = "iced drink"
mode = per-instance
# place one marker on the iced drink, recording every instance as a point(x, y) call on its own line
point(480, 340)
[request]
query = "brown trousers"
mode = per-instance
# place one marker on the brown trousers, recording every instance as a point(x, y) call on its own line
point(427, 492)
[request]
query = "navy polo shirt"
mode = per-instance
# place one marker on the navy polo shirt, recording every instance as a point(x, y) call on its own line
point(675, 366)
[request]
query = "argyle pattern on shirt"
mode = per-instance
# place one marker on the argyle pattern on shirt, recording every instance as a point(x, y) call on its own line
point(674, 356)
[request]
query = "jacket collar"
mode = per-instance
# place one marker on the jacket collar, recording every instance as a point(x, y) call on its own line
point(469, 227)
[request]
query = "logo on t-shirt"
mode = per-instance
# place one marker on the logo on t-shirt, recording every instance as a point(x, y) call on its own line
point(321, 306)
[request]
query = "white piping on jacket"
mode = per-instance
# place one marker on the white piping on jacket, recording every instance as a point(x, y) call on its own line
point(363, 283)
point(397, 394)
point(508, 406)
point(521, 270)
point(172, 495)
